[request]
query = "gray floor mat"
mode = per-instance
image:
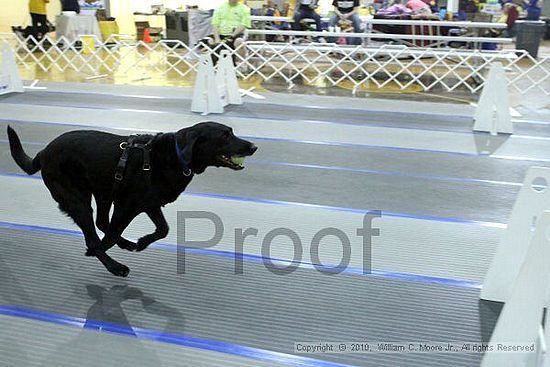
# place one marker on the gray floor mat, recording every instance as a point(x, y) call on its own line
point(257, 309)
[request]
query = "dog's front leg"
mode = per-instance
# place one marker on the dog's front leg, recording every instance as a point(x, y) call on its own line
point(161, 230)
point(102, 223)
point(122, 217)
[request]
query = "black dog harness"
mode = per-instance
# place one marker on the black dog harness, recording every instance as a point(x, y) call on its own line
point(132, 144)
point(146, 150)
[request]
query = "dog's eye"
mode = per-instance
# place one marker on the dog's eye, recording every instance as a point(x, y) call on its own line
point(226, 134)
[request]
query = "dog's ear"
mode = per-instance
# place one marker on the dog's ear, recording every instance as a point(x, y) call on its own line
point(191, 137)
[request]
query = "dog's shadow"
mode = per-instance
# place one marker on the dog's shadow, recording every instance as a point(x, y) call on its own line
point(107, 337)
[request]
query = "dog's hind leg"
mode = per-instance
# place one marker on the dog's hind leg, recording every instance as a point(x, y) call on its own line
point(161, 230)
point(102, 223)
point(77, 204)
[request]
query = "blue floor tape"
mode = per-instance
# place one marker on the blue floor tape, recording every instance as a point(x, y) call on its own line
point(318, 206)
point(261, 259)
point(286, 140)
point(157, 336)
point(351, 145)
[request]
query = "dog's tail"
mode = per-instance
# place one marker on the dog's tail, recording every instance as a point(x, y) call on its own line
point(27, 164)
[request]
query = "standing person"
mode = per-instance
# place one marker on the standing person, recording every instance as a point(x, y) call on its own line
point(347, 10)
point(70, 5)
point(511, 14)
point(230, 21)
point(38, 11)
point(305, 9)
point(533, 10)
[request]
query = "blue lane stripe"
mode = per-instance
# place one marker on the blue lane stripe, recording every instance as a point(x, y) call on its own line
point(342, 209)
point(316, 206)
point(364, 146)
point(353, 170)
point(16, 121)
point(25, 142)
point(21, 175)
point(530, 137)
point(158, 336)
point(328, 143)
point(532, 122)
point(261, 259)
point(512, 158)
point(286, 140)
point(297, 141)
point(427, 115)
point(384, 173)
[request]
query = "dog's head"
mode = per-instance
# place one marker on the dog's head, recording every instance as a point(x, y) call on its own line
point(210, 144)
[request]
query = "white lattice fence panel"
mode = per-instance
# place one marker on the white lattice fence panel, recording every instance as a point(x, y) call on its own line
point(402, 67)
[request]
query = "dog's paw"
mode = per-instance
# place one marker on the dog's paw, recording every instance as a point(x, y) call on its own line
point(92, 251)
point(119, 270)
point(125, 244)
point(141, 245)
point(132, 247)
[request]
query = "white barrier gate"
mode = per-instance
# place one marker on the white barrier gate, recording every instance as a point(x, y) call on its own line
point(519, 276)
point(521, 318)
point(215, 90)
point(10, 81)
point(532, 200)
point(493, 109)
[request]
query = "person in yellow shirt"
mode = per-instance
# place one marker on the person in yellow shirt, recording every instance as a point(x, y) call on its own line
point(38, 11)
point(229, 22)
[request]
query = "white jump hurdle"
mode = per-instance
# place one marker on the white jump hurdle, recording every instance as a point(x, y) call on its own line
point(520, 320)
point(493, 109)
point(519, 276)
point(10, 81)
point(215, 89)
point(532, 200)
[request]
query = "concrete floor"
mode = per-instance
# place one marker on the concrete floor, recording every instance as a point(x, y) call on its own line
point(445, 195)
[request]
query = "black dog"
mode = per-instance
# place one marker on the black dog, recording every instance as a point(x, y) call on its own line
point(81, 164)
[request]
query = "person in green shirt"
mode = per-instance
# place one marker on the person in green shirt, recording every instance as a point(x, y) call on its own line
point(230, 21)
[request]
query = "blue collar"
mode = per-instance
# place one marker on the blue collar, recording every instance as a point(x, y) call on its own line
point(187, 171)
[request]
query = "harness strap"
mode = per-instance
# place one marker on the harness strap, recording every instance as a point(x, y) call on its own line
point(121, 166)
point(146, 149)
point(146, 157)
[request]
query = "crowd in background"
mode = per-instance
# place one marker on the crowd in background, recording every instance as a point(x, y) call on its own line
point(344, 16)
point(532, 8)
point(346, 13)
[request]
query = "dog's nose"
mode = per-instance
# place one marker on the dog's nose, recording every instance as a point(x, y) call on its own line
point(253, 148)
